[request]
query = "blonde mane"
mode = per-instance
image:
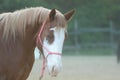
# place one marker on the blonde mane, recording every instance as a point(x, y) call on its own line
point(17, 21)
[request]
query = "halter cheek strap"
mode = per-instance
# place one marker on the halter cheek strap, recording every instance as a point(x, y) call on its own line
point(38, 40)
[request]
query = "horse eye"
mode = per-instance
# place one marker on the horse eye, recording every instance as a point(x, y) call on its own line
point(50, 37)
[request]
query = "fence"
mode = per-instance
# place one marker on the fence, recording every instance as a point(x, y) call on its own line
point(75, 34)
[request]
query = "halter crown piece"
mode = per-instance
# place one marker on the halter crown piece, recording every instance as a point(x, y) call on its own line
point(38, 40)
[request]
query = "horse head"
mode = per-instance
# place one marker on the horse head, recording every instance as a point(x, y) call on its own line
point(51, 37)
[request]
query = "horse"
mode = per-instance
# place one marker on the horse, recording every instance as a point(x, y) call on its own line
point(23, 30)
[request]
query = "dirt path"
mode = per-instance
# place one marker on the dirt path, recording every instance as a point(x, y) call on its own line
point(82, 68)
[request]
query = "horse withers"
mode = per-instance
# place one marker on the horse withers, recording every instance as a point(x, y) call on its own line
point(21, 31)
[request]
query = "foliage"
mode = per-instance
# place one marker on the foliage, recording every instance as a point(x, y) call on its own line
point(88, 12)
point(91, 12)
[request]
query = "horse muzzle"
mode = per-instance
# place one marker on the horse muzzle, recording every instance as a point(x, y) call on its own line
point(54, 65)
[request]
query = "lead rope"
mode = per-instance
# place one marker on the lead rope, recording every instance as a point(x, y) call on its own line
point(49, 53)
point(43, 69)
point(37, 41)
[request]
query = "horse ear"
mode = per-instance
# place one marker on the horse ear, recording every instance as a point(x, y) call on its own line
point(69, 14)
point(52, 14)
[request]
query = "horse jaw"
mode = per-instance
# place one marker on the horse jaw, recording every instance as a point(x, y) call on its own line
point(54, 63)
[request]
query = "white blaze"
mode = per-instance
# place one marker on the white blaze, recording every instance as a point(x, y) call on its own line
point(54, 62)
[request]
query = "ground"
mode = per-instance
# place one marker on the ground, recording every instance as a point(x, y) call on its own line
point(82, 68)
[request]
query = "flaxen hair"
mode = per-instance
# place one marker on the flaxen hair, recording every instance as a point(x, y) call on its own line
point(16, 22)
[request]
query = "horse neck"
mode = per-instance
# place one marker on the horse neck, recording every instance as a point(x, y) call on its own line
point(29, 38)
point(34, 26)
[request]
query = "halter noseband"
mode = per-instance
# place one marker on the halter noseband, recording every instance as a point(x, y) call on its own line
point(38, 40)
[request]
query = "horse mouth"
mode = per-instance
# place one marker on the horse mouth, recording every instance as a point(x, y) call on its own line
point(54, 72)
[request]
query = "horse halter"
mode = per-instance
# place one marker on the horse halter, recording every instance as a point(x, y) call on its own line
point(38, 40)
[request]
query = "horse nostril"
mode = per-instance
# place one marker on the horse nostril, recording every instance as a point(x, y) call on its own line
point(54, 72)
point(53, 69)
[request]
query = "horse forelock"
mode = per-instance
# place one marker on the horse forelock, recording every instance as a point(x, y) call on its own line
point(16, 22)
point(60, 19)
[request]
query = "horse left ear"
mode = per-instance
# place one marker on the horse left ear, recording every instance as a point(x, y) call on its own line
point(52, 14)
point(69, 14)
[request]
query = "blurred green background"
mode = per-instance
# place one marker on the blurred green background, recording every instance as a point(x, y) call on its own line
point(94, 29)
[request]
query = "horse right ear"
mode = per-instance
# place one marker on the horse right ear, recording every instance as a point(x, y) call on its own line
point(52, 14)
point(69, 14)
